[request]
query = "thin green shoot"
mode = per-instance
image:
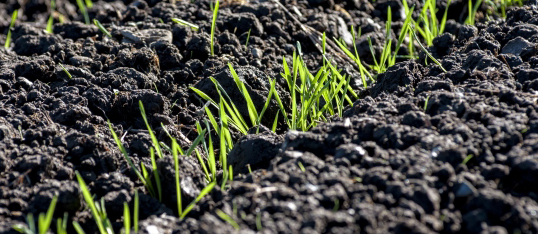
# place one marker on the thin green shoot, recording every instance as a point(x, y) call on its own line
point(185, 23)
point(156, 173)
point(275, 122)
point(78, 228)
point(89, 3)
point(61, 224)
point(50, 21)
point(43, 222)
point(151, 134)
point(11, 25)
point(102, 28)
point(213, 25)
point(428, 53)
point(82, 8)
point(142, 178)
point(248, 38)
point(472, 9)
point(228, 219)
point(230, 173)
point(301, 166)
point(136, 211)
point(467, 159)
point(89, 201)
point(259, 226)
point(175, 151)
point(203, 193)
point(426, 103)
point(126, 219)
point(66, 71)
point(249, 169)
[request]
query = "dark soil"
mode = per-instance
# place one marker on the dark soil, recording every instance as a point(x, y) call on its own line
point(422, 151)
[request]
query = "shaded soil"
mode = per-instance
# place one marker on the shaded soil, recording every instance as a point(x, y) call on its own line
point(422, 151)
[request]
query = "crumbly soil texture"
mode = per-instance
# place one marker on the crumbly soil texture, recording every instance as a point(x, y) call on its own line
point(421, 150)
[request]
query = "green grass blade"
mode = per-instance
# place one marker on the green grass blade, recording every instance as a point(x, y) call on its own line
point(185, 23)
point(102, 28)
point(176, 170)
point(136, 212)
point(45, 224)
point(211, 155)
point(204, 192)
point(82, 8)
point(89, 201)
point(196, 142)
point(275, 122)
point(443, 21)
point(228, 219)
point(125, 154)
point(126, 219)
point(156, 173)
point(213, 24)
point(253, 114)
point(50, 21)
point(151, 134)
point(78, 228)
point(11, 25)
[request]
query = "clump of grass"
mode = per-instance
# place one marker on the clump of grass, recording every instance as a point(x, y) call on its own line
point(185, 23)
point(428, 26)
point(102, 28)
point(43, 221)
point(11, 25)
point(213, 24)
point(98, 209)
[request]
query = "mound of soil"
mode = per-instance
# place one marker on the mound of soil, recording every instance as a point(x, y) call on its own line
point(422, 150)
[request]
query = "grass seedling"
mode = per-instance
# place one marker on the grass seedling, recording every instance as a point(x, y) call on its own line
point(136, 210)
point(428, 26)
point(156, 173)
point(355, 57)
point(102, 28)
point(427, 53)
point(98, 210)
point(204, 192)
point(43, 221)
point(50, 21)
point(426, 103)
point(259, 221)
point(248, 38)
point(82, 8)
point(213, 24)
point(151, 134)
point(185, 23)
point(472, 9)
point(11, 25)
point(175, 151)
point(301, 166)
point(126, 219)
point(66, 71)
point(249, 169)
point(147, 183)
point(467, 159)
point(61, 225)
point(228, 219)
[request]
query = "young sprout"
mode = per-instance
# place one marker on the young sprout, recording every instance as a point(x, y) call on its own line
point(66, 71)
point(43, 221)
point(98, 212)
point(83, 10)
point(102, 28)
point(248, 38)
point(185, 23)
point(11, 25)
point(213, 23)
point(50, 21)
point(204, 192)
point(228, 219)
